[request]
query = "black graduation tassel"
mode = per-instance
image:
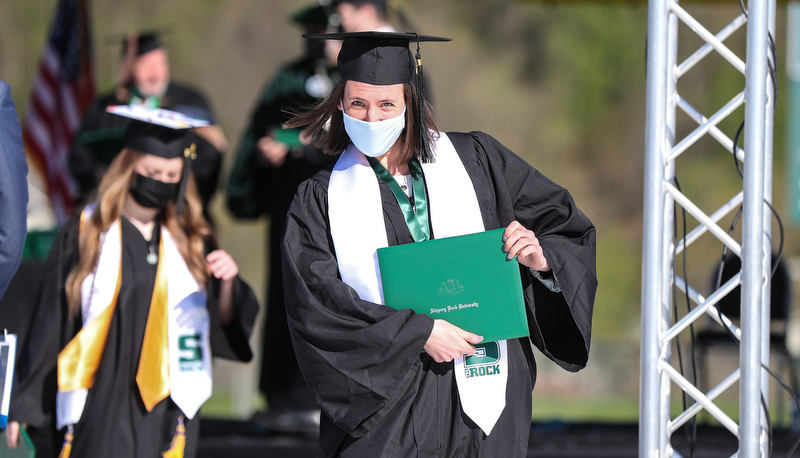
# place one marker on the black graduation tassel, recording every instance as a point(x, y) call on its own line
point(189, 154)
point(425, 153)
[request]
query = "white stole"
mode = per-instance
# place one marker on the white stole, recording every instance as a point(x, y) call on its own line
point(190, 382)
point(188, 331)
point(355, 212)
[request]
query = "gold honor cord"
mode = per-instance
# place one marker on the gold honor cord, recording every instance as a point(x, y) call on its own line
point(78, 361)
point(66, 447)
point(152, 375)
point(178, 444)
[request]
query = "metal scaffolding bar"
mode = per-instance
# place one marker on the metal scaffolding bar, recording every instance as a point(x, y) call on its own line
point(660, 249)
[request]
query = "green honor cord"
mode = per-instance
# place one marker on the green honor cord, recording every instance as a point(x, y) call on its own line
point(416, 214)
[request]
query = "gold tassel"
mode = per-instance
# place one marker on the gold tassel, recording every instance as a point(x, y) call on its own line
point(178, 442)
point(66, 449)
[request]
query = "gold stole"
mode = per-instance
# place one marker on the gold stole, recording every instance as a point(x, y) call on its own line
point(152, 376)
point(78, 361)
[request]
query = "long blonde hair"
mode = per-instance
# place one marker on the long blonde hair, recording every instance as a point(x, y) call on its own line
point(189, 230)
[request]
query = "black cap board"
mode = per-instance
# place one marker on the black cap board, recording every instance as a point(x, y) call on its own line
point(379, 58)
point(154, 139)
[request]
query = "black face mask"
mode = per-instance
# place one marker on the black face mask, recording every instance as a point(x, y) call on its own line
point(152, 193)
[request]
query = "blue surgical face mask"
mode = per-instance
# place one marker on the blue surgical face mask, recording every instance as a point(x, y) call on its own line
point(374, 138)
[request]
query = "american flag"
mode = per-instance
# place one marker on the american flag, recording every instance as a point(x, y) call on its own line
point(62, 91)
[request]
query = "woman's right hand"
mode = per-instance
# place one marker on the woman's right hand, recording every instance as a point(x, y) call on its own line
point(275, 152)
point(12, 434)
point(447, 342)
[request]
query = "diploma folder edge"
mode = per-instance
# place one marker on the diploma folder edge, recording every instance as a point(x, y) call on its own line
point(468, 272)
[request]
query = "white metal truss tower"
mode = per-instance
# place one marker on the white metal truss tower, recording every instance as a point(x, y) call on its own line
point(662, 197)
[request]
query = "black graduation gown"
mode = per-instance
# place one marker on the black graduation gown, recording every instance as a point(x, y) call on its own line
point(381, 396)
point(115, 421)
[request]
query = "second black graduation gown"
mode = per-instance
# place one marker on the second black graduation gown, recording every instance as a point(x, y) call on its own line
point(114, 422)
point(381, 396)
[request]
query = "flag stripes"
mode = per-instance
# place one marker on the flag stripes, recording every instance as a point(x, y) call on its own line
point(63, 89)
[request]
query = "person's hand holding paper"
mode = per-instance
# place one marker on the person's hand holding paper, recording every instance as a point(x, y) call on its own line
point(523, 244)
point(447, 342)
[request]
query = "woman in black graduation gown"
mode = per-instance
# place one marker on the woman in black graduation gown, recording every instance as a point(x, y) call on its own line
point(380, 394)
point(143, 259)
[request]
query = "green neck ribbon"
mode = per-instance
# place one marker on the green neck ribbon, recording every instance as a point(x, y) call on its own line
point(154, 101)
point(416, 211)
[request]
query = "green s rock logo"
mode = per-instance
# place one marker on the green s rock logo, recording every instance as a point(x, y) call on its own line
point(484, 361)
point(191, 353)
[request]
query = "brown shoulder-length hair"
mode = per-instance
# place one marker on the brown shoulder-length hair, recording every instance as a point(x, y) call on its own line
point(325, 125)
point(190, 230)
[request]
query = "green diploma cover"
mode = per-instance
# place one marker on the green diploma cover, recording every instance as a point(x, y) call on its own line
point(465, 280)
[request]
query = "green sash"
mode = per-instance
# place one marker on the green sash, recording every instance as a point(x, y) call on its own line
point(416, 212)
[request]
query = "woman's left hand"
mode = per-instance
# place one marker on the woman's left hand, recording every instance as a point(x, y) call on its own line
point(222, 265)
point(522, 243)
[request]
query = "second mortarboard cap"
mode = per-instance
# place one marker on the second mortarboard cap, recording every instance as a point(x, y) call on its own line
point(157, 131)
point(154, 139)
point(378, 3)
point(315, 15)
point(145, 42)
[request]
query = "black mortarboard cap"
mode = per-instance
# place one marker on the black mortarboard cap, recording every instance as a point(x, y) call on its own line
point(164, 133)
point(154, 139)
point(381, 3)
point(384, 58)
point(146, 42)
point(380, 58)
point(315, 15)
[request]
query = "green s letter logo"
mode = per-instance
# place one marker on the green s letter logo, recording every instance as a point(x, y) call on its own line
point(190, 344)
